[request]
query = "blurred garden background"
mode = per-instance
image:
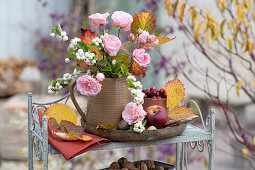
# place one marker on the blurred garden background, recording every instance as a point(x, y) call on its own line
point(213, 54)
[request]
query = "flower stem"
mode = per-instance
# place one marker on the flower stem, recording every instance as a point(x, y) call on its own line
point(119, 33)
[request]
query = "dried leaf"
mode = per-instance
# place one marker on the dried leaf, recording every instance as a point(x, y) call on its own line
point(245, 152)
point(238, 86)
point(72, 128)
point(180, 112)
point(162, 40)
point(138, 70)
point(175, 92)
point(61, 112)
point(197, 32)
point(145, 20)
point(251, 46)
point(183, 5)
point(109, 126)
point(168, 4)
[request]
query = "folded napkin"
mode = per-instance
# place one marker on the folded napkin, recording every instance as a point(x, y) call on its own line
point(71, 149)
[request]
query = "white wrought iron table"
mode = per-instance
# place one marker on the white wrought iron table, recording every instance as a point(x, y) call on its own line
point(196, 137)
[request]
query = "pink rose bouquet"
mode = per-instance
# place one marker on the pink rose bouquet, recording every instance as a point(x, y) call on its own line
point(99, 55)
point(133, 113)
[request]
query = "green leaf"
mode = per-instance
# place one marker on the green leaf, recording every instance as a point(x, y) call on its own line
point(123, 68)
point(82, 46)
point(116, 66)
point(59, 29)
point(221, 28)
point(54, 82)
point(70, 50)
point(103, 62)
point(124, 58)
point(107, 68)
point(145, 20)
point(144, 122)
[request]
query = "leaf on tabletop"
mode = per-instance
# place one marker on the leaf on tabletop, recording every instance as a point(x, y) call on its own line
point(175, 92)
point(72, 128)
point(181, 112)
point(162, 40)
point(145, 21)
point(52, 122)
point(238, 87)
point(138, 70)
point(108, 126)
point(61, 112)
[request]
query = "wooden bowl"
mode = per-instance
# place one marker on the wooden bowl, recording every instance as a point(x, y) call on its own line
point(150, 102)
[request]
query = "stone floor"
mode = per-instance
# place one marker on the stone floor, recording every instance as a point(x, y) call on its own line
point(13, 140)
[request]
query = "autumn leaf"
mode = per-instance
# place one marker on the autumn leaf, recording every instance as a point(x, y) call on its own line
point(162, 40)
point(66, 130)
point(145, 21)
point(168, 4)
point(183, 5)
point(138, 70)
point(124, 58)
point(238, 86)
point(175, 92)
point(87, 36)
point(245, 152)
point(61, 112)
point(108, 126)
point(251, 46)
point(181, 112)
point(197, 31)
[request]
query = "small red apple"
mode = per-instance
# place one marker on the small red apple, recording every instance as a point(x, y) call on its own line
point(158, 97)
point(153, 88)
point(154, 97)
point(156, 116)
point(162, 91)
point(153, 93)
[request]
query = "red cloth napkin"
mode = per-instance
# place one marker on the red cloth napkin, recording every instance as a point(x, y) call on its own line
point(71, 149)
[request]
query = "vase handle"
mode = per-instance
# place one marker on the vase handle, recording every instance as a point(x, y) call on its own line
point(71, 89)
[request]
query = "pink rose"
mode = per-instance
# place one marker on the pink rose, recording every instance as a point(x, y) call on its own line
point(147, 40)
point(100, 76)
point(88, 86)
point(133, 113)
point(139, 31)
point(99, 19)
point(131, 37)
point(141, 57)
point(143, 37)
point(112, 44)
point(122, 20)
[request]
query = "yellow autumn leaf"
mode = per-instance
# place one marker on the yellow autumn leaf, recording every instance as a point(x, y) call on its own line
point(183, 5)
point(180, 112)
point(245, 152)
point(251, 46)
point(253, 81)
point(238, 86)
point(216, 31)
point(162, 40)
point(175, 92)
point(61, 112)
point(197, 32)
point(253, 16)
point(229, 44)
point(240, 12)
point(254, 141)
point(168, 4)
point(208, 37)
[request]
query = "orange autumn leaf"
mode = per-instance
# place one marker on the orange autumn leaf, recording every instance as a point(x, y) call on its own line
point(66, 131)
point(61, 112)
point(108, 126)
point(138, 70)
point(162, 40)
point(145, 21)
point(181, 112)
point(175, 92)
point(86, 37)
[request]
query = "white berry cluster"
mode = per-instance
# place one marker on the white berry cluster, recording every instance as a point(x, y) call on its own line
point(102, 36)
point(138, 127)
point(76, 73)
point(136, 91)
point(88, 57)
point(97, 41)
point(60, 37)
point(67, 78)
point(73, 43)
point(55, 89)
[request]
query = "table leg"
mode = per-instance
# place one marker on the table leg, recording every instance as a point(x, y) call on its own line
point(45, 145)
point(211, 150)
point(178, 156)
point(30, 136)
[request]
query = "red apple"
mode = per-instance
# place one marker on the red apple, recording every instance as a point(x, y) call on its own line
point(162, 91)
point(153, 88)
point(153, 92)
point(158, 97)
point(156, 116)
point(154, 97)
